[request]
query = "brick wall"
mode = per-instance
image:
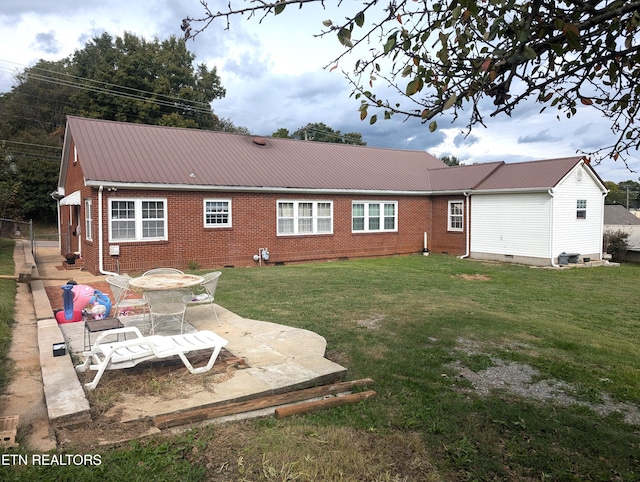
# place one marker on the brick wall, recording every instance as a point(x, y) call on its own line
point(254, 227)
point(442, 240)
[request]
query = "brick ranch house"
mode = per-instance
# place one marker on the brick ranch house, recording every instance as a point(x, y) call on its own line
point(132, 197)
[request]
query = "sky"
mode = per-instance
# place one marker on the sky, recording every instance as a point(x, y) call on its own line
point(276, 76)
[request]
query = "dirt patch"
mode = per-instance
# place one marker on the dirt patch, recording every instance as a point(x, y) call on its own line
point(523, 380)
point(373, 322)
point(473, 277)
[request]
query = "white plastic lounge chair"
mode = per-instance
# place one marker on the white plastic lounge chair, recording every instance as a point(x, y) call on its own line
point(206, 292)
point(162, 271)
point(123, 299)
point(128, 353)
point(166, 305)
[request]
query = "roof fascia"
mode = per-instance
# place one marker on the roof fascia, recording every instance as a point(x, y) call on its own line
point(259, 189)
point(512, 190)
point(594, 175)
point(64, 162)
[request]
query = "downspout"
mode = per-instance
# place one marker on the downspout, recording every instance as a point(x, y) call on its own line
point(468, 225)
point(100, 237)
point(550, 191)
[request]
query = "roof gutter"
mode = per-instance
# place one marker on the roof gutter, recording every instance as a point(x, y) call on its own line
point(100, 237)
point(260, 189)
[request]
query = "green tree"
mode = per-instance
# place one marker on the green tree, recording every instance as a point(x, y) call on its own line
point(615, 195)
point(282, 133)
point(450, 160)
point(131, 80)
point(9, 187)
point(320, 132)
point(451, 56)
point(631, 191)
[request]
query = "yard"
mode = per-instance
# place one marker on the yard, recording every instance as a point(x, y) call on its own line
point(483, 371)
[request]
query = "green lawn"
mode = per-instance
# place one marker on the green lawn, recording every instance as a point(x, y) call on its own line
point(405, 322)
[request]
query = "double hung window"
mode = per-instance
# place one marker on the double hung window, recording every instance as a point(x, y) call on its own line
point(137, 219)
point(374, 216)
point(217, 213)
point(455, 218)
point(88, 221)
point(305, 217)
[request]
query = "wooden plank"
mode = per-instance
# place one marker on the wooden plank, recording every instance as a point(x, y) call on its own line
point(31, 278)
point(314, 405)
point(222, 409)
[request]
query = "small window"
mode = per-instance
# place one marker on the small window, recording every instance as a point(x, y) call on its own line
point(88, 231)
point(371, 217)
point(456, 211)
point(581, 209)
point(217, 213)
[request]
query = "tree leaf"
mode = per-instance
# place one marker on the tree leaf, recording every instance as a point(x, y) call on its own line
point(327, 23)
point(415, 86)
point(586, 101)
point(373, 119)
point(390, 43)
point(433, 126)
point(529, 53)
point(280, 7)
point(359, 19)
point(344, 36)
point(450, 101)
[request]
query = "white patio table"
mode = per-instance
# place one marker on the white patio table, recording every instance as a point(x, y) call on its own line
point(165, 293)
point(169, 281)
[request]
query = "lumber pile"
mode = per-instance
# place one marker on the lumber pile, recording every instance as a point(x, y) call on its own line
point(281, 405)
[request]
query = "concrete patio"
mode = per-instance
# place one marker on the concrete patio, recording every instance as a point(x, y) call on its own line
point(276, 359)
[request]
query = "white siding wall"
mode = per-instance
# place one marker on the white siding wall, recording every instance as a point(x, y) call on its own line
point(511, 224)
point(572, 235)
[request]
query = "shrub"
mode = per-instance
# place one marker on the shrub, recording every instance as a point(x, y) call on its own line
point(615, 243)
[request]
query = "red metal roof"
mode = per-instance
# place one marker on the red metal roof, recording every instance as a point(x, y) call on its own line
point(460, 178)
point(529, 175)
point(117, 152)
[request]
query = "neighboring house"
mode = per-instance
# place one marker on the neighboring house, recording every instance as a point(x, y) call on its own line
point(134, 196)
point(617, 218)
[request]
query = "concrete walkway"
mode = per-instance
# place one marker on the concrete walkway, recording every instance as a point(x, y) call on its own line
point(279, 358)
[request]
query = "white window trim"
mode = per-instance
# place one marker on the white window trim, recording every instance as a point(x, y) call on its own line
point(204, 213)
point(315, 217)
point(366, 217)
point(88, 221)
point(138, 219)
point(450, 217)
point(580, 209)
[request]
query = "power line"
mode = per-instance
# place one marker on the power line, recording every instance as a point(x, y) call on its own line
point(6, 141)
point(76, 81)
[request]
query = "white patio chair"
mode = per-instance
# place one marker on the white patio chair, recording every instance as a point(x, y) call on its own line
point(124, 300)
point(128, 353)
point(166, 305)
point(162, 271)
point(205, 294)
